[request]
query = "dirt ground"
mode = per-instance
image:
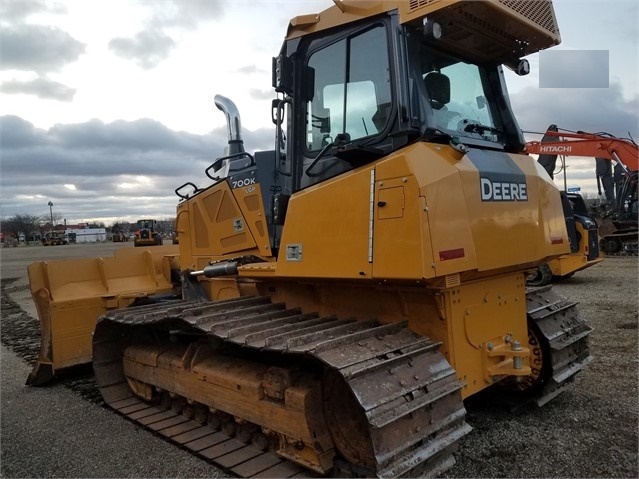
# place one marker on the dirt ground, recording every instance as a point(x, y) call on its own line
point(589, 431)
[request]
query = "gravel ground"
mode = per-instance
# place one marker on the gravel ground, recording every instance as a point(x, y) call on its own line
point(52, 432)
point(589, 431)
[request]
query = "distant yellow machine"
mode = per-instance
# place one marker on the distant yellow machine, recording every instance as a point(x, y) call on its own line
point(54, 238)
point(341, 295)
point(146, 234)
point(583, 236)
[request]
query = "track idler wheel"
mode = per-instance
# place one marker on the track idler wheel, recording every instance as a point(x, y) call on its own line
point(541, 276)
point(610, 245)
point(532, 383)
point(347, 423)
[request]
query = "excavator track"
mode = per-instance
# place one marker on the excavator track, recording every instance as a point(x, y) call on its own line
point(407, 406)
point(620, 243)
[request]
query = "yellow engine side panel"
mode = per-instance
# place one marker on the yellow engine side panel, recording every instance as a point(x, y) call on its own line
point(425, 213)
point(328, 229)
point(221, 222)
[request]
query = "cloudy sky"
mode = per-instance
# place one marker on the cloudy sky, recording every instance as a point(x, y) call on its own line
point(107, 106)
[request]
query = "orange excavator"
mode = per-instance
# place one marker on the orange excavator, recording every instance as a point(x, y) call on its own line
point(620, 188)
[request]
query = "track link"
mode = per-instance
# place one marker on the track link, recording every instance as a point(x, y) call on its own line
point(407, 391)
point(562, 336)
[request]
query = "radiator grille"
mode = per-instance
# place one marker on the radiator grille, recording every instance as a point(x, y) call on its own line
point(415, 4)
point(537, 11)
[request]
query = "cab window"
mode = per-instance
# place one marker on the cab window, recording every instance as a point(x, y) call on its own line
point(352, 94)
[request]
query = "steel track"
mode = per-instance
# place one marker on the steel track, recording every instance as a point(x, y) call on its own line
point(407, 390)
point(363, 353)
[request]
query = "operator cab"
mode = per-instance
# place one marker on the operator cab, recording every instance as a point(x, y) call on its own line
point(355, 95)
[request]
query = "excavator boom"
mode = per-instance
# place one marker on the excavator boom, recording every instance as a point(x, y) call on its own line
point(592, 145)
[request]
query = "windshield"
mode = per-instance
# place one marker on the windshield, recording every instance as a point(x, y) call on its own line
point(460, 97)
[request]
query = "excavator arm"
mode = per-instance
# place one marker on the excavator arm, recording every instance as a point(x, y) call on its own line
point(595, 145)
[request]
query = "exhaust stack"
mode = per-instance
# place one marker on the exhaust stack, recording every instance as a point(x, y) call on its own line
point(234, 125)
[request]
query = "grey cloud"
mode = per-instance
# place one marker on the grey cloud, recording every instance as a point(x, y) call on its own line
point(15, 133)
point(184, 14)
point(37, 48)
point(102, 160)
point(247, 69)
point(148, 48)
point(259, 140)
point(601, 109)
point(19, 10)
point(95, 149)
point(144, 135)
point(40, 87)
point(259, 94)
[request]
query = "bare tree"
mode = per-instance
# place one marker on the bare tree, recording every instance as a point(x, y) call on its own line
point(46, 220)
point(29, 225)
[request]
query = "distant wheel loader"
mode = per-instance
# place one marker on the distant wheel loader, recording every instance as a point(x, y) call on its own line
point(119, 237)
point(54, 238)
point(146, 234)
point(341, 295)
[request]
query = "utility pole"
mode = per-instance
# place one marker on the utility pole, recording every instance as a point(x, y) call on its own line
point(51, 211)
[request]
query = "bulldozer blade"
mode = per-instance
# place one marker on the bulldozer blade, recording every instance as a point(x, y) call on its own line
point(70, 295)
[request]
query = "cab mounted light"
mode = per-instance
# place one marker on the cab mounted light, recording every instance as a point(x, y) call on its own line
point(521, 67)
point(432, 30)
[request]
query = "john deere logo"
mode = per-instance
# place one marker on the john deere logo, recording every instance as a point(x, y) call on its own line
point(503, 191)
point(500, 178)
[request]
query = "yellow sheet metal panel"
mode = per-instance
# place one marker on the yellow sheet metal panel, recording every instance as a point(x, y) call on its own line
point(219, 222)
point(401, 239)
point(482, 315)
point(491, 30)
point(327, 232)
point(446, 219)
point(485, 209)
point(249, 199)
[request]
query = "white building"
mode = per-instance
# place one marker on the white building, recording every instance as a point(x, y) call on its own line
point(86, 235)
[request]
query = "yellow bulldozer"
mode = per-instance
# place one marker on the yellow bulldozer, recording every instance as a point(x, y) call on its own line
point(339, 297)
